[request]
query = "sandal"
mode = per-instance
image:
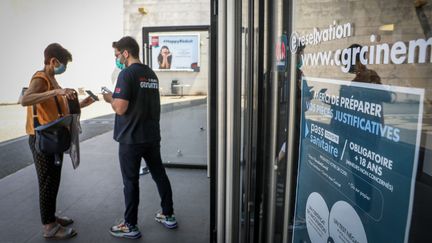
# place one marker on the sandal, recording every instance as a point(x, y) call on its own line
point(64, 221)
point(54, 234)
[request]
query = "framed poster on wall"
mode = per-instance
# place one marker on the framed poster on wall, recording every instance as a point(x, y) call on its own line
point(175, 52)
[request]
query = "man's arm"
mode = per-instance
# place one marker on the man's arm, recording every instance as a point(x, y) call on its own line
point(119, 106)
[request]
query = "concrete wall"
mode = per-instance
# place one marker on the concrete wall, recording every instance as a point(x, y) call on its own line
point(172, 13)
point(367, 17)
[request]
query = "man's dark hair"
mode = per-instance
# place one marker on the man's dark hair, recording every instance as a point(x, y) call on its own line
point(114, 44)
point(129, 44)
point(357, 56)
point(57, 51)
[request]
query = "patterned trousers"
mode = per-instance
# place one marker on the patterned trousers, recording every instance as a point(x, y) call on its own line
point(48, 175)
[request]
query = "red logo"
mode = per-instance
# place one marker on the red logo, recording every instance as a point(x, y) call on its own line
point(280, 51)
point(117, 90)
point(155, 41)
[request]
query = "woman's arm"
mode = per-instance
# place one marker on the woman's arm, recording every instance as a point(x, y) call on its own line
point(86, 102)
point(37, 93)
point(166, 62)
point(163, 64)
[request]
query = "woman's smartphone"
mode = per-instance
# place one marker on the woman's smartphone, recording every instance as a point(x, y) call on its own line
point(92, 95)
point(24, 89)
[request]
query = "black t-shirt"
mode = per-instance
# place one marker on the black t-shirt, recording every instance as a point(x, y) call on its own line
point(140, 124)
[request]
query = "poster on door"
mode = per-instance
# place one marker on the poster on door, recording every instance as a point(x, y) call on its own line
point(175, 52)
point(359, 147)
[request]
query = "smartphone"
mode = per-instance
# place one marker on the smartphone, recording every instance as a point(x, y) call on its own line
point(92, 95)
point(105, 90)
point(24, 89)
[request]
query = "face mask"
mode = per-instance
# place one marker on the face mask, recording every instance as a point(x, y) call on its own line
point(60, 69)
point(120, 65)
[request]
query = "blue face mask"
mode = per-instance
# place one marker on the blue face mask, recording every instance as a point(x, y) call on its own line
point(120, 65)
point(60, 69)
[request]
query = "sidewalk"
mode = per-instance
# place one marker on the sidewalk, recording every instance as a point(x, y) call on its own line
point(93, 196)
point(13, 157)
point(13, 117)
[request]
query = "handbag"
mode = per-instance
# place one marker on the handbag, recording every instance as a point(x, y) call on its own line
point(54, 137)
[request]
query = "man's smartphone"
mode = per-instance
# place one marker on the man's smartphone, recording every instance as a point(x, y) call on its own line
point(105, 90)
point(92, 95)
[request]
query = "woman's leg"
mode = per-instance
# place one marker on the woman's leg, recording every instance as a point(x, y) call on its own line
point(49, 181)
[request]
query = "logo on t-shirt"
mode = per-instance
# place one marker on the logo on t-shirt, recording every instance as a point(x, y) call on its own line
point(149, 83)
point(117, 90)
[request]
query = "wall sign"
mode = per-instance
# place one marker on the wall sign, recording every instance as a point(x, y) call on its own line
point(175, 52)
point(358, 161)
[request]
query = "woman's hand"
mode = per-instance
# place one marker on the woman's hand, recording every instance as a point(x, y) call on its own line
point(69, 93)
point(86, 102)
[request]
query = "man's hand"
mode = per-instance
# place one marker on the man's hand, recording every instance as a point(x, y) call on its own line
point(86, 102)
point(119, 105)
point(108, 97)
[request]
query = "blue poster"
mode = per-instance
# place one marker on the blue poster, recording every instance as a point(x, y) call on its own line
point(359, 148)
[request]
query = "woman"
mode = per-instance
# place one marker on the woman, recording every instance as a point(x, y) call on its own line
point(164, 58)
point(41, 92)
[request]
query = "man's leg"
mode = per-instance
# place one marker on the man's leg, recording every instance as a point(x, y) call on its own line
point(130, 160)
point(154, 163)
point(144, 170)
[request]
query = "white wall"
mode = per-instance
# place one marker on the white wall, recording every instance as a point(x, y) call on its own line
point(172, 13)
point(85, 27)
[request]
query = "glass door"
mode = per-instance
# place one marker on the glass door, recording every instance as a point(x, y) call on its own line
point(362, 72)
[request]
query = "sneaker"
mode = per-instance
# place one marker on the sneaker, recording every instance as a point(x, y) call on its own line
point(169, 222)
point(125, 230)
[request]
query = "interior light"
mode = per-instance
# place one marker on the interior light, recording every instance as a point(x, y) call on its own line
point(142, 10)
point(387, 27)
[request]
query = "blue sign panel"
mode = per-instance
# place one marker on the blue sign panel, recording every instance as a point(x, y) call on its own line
point(358, 159)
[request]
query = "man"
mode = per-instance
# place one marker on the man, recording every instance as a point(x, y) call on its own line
point(136, 103)
point(114, 76)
